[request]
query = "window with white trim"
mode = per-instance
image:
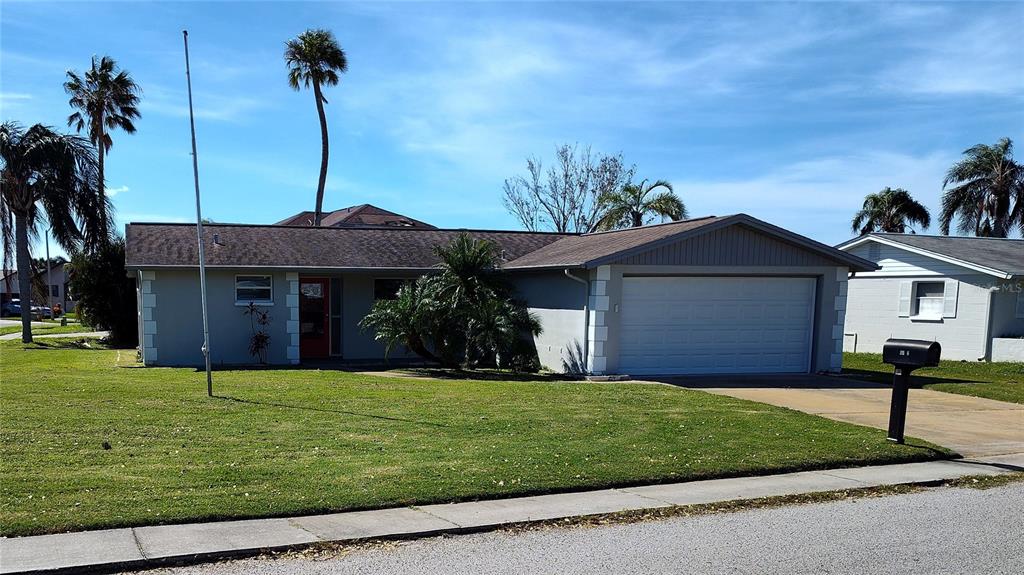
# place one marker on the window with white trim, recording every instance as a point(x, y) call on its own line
point(255, 288)
point(929, 299)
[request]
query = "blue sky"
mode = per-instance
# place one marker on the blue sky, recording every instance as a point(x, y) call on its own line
point(789, 112)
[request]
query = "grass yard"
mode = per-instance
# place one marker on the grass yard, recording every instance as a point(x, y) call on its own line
point(88, 440)
point(48, 329)
point(999, 381)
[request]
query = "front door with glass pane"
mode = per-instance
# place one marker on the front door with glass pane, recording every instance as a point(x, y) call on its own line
point(314, 313)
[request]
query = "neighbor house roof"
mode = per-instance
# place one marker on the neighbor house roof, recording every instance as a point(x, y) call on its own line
point(595, 249)
point(1001, 257)
point(355, 216)
point(274, 246)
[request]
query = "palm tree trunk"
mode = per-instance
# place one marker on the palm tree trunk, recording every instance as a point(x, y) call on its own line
point(24, 275)
point(318, 214)
point(637, 219)
point(102, 205)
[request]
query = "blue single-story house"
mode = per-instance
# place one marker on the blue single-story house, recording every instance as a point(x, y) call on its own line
point(726, 294)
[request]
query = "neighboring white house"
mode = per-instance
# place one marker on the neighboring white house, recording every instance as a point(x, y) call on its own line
point(58, 286)
point(965, 293)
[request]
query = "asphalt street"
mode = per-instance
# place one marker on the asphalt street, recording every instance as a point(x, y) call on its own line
point(941, 530)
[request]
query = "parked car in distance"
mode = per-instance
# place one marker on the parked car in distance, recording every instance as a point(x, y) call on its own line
point(11, 308)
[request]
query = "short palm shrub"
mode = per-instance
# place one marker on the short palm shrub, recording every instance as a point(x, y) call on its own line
point(464, 315)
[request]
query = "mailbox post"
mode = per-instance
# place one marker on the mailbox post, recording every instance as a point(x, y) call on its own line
point(905, 355)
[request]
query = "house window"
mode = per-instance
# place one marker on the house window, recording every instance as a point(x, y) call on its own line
point(54, 291)
point(255, 289)
point(387, 288)
point(929, 298)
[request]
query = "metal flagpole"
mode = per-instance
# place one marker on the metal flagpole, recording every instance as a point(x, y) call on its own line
point(49, 282)
point(199, 225)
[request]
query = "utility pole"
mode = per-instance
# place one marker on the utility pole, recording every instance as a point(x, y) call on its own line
point(199, 224)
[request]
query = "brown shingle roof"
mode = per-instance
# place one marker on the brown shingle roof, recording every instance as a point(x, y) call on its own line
point(306, 247)
point(385, 247)
point(579, 250)
point(355, 216)
point(591, 250)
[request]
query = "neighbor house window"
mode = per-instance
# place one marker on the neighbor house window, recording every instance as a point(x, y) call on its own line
point(929, 299)
point(255, 289)
point(387, 288)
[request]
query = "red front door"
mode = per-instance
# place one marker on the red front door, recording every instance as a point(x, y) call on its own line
point(314, 331)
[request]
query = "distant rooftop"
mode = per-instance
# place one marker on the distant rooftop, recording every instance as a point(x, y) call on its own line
point(363, 215)
point(1000, 254)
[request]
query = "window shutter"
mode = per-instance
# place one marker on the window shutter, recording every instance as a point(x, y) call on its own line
point(952, 289)
point(1020, 304)
point(905, 289)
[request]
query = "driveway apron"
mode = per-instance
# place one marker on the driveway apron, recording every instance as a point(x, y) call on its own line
point(972, 426)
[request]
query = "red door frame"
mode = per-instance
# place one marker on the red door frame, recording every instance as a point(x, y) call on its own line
point(316, 347)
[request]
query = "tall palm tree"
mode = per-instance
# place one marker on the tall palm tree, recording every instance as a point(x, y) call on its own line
point(315, 59)
point(634, 204)
point(44, 174)
point(988, 199)
point(105, 98)
point(890, 210)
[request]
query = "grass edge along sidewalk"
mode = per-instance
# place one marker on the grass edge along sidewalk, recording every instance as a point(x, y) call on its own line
point(100, 443)
point(182, 544)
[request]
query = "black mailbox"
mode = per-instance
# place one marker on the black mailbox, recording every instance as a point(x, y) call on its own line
point(911, 353)
point(906, 355)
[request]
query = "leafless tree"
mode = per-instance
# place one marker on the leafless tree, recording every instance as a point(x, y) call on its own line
point(565, 197)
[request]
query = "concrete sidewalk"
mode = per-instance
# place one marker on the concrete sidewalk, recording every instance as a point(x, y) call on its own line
point(152, 546)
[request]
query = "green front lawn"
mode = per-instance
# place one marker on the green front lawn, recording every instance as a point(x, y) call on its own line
point(999, 381)
point(88, 440)
point(48, 329)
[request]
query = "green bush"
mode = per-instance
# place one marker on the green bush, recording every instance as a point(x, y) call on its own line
point(464, 315)
point(105, 293)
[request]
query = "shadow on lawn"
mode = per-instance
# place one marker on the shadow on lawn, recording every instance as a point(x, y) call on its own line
point(82, 343)
point(766, 381)
point(325, 410)
point(485, 375)
point(916, 379)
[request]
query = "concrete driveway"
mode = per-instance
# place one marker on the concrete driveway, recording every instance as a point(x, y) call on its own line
point(972, 426)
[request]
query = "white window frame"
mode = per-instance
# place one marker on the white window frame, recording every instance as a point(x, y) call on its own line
point(260, 302)
point(908, 300)
point(915, 301)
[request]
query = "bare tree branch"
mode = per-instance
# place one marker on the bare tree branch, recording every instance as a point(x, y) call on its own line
point(565, 197)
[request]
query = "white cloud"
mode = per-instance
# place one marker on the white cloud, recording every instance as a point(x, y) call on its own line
point(9, 96)
point(805, 196)
point(979, 57)
point(13, 100)
point(492, 95)
point(208, 106)
point(151, 217)
point(111, 192)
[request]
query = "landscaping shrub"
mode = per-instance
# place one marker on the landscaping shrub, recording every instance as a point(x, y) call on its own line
point(464, 315)
point(105, 293)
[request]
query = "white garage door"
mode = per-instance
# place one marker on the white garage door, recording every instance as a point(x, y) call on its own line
point(694, 325)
